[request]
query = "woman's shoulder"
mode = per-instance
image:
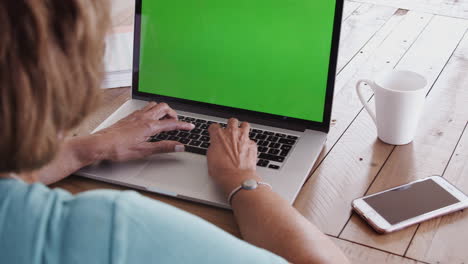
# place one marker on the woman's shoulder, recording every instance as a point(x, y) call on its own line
point(37, 198)
point(33, 199)
point(144, 229)
point(54, 224)
point(114, 227)
point(36, 195)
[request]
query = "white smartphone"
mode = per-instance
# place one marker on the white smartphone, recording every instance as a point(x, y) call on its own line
point(409, 204)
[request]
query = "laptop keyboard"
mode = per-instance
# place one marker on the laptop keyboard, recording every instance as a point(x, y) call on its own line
point(273, 148)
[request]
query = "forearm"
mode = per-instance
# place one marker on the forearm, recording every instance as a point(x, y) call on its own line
point(268, 221)
point(74, 154)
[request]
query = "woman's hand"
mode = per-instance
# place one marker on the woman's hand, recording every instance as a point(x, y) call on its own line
point(128, 138)
point(232, 156)
point(125, 140)
point(264, 218)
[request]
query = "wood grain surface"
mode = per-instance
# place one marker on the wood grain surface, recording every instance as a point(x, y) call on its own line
point(362, 254)
point(358, 28)
point(436, 138)
point(327, 196)
point(444, 240)
point(451, 8)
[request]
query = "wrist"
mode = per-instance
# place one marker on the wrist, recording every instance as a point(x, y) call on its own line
point(230, 180)
point(248, 197)
point(86, 150)
point(248, 185)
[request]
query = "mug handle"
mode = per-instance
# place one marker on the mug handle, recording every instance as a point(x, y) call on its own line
point(363, 100)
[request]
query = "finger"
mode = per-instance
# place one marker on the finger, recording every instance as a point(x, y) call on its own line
point(233, 129)
point(233, 123)
point(214, 129)
point(162, 110)
point(159, 126)
point(165, 147)
point(253, 153)
point(214, 132)
point(245, 130)
point(171, 114)
point(148, 106)
point(253, 146)
point(247, 145)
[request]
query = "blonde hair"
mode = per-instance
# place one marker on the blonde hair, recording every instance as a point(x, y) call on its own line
point(50, 70)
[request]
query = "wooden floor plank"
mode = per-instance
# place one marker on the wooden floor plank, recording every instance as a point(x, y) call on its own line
point(364, 255)
point(385, 49)
point(348, 8)
point(444, 240)
point(436, 138)
point(451, 8)
point(358, 28)
point(325, 198)
point(381, 52)
point(431, 241)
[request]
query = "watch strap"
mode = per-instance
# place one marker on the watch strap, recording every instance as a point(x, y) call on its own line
point(246, 185)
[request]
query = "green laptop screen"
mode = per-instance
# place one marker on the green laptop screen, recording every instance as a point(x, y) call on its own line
point(269, 56)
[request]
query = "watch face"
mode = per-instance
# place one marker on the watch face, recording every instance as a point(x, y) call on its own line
point(249, 184)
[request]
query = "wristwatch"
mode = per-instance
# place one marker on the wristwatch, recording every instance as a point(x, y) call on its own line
point(249, 184)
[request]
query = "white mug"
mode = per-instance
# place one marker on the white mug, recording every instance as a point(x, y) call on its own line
point(399, 101)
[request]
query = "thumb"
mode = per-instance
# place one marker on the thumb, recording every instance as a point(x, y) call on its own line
point(166, 147)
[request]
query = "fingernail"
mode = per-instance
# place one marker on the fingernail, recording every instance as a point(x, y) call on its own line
point(192, 126)
point(179, 148)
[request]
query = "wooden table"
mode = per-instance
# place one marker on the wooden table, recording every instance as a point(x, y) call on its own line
point(353, 162)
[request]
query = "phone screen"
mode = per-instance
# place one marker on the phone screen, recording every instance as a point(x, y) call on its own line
point(410, 201)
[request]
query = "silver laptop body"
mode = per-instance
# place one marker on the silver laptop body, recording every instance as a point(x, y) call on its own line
point(185, 175)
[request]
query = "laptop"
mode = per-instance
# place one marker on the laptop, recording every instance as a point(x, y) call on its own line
point(271, 63)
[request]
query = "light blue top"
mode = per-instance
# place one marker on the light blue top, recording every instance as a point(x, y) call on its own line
point(40, 225)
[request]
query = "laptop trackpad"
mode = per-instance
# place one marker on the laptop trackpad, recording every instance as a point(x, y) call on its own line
point(175, 173)
point(121, 172)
